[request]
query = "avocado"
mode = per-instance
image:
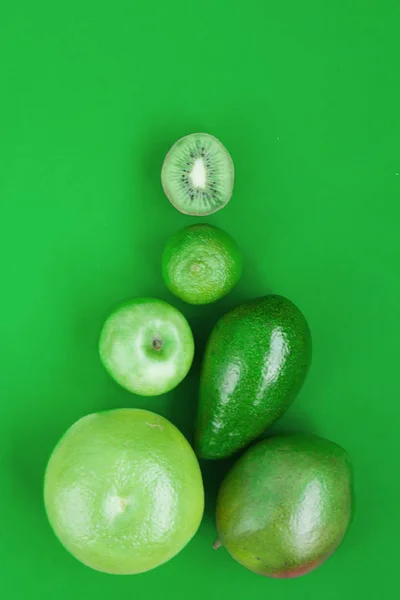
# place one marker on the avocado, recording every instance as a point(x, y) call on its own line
point(255, 362)
point(285, 506)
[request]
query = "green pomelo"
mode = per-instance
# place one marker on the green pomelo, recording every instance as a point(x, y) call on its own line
point(123, 491)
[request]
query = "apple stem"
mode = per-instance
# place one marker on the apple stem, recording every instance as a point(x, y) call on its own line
point(217, 544)
point(157, 345)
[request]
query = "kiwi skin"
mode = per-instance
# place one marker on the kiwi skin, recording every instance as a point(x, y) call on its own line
point(182, 210)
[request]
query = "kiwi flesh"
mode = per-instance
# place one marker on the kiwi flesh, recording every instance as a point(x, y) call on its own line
point(198, 174)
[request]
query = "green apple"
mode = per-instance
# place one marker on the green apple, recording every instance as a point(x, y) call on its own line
point(147, 346)
point(123, 491)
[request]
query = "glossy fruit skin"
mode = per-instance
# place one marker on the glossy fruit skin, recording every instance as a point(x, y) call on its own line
point(255, 362)
point(201, 264)
point(123, 491)
point(285, 506)
point(128, 352)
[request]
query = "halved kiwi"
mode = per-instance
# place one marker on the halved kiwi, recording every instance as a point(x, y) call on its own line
point(198, 174)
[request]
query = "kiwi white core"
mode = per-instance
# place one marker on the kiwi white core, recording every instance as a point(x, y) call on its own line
point(198, 174)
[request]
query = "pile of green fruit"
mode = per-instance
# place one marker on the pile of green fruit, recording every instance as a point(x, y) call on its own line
point(123, 488)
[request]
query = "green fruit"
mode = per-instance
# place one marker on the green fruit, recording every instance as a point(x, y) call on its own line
point(198, 174)
point(147, 346)
point(201, 264)
point(123, 491)
point(286, 504)
point(255, 363)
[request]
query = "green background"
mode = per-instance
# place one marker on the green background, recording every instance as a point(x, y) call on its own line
point(306, 97)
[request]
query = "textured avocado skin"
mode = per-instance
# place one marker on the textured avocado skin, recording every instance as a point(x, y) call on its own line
point(255, 362)
point(285, 506)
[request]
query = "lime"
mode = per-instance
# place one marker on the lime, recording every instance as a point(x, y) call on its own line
point(123, 491)
point(201, 264)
